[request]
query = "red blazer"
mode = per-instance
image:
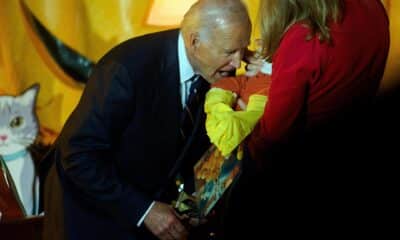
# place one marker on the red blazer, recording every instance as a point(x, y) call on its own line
point(313, 82)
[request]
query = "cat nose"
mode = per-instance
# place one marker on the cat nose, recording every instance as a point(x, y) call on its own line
point(3, 137)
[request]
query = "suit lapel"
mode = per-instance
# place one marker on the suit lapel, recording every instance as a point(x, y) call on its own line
point(170, 73)
point(199, 121)
point(170, 70)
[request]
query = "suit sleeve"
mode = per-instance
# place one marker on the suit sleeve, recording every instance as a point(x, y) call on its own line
point(88, 139)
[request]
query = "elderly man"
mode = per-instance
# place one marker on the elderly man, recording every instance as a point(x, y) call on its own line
point(125, 141)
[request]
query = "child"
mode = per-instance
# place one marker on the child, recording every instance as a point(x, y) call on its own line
point(233, 106)
point(226, 127)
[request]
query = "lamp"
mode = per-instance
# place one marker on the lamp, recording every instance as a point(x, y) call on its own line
point(168, 12)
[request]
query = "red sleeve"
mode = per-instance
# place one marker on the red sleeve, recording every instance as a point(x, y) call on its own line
point(293, 67)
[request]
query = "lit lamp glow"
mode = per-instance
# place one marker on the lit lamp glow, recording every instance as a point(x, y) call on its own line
point(168, 12)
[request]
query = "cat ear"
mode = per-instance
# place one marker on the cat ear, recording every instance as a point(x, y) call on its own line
point(29, 96)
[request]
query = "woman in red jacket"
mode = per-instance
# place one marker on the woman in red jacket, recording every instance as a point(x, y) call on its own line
point(328, 57)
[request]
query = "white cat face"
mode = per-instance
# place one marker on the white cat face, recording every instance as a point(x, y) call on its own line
point(18, 122)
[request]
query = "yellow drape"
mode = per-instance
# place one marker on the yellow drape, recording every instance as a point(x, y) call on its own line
point(391, 78)
point(90, 27)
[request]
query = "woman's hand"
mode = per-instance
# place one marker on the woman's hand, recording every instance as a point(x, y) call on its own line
point(254, 59)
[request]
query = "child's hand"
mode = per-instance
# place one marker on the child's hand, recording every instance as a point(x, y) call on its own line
point(235, 95)
point(241, 104)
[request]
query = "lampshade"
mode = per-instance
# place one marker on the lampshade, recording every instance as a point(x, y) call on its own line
point(168, 12)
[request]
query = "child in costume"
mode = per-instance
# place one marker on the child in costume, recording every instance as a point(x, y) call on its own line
point(233, 106)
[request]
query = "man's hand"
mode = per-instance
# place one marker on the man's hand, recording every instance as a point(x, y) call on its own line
point(163, 222)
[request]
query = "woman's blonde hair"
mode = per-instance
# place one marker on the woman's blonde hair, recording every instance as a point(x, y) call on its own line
point(276, 16)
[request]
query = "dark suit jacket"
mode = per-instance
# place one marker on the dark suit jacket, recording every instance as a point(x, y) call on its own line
point(119, 147)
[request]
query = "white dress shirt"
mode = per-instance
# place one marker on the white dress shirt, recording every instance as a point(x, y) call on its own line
point(186, 71)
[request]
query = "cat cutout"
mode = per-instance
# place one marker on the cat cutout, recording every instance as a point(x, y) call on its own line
point(19, 183)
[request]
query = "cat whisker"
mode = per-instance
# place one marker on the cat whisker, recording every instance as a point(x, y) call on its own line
point(28, 137)
point(25, 142)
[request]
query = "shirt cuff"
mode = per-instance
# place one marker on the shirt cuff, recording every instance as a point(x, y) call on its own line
point(139, 223)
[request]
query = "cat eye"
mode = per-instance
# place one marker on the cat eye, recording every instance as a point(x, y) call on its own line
point(16, 122)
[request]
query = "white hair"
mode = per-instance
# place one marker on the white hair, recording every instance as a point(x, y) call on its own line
point(207, 16)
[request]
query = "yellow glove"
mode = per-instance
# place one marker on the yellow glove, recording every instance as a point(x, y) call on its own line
point(219, 100)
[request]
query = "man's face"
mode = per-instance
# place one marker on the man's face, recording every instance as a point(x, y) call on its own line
point(220, 53)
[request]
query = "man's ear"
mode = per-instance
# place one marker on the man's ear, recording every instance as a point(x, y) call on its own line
point(194, 41)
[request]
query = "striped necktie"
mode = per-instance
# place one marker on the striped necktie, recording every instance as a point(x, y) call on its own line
point(192, 105)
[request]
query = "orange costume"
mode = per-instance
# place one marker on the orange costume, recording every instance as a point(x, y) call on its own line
point(245, 86)
point(226, 127)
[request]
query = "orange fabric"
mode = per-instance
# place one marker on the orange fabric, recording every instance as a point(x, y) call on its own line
point(245, 86)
